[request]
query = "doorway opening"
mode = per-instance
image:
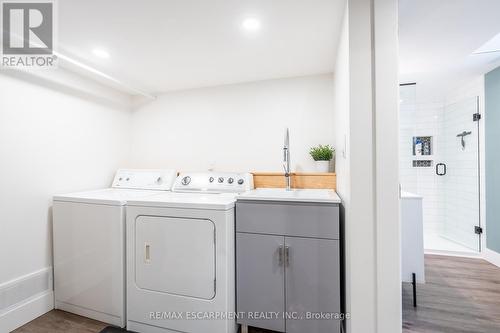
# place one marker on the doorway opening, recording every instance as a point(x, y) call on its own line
point(440, 161)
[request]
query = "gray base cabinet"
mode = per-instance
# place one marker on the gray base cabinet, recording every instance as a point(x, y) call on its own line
point(312, 284)
point(288, 280)
point(261, 256)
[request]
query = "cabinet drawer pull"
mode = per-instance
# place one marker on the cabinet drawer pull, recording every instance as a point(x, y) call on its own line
point(287, 256)
point(280, 255)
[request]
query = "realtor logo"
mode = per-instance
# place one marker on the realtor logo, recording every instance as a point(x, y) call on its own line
point(28, 34)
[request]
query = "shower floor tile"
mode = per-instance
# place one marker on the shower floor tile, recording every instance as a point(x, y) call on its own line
point(434, 242)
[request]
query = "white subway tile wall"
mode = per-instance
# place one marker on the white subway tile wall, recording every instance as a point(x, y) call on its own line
point(450, 202)
point(421, 120)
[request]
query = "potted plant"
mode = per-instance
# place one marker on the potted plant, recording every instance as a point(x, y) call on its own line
point(322, 155)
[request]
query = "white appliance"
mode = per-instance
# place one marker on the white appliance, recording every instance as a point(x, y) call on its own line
point(180, 256)
point(89, 244)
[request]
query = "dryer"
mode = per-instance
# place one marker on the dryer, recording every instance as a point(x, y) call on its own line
point(180, 256)
point(89, 244)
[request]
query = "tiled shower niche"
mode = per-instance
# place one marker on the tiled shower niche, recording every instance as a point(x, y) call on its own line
point(422, 145)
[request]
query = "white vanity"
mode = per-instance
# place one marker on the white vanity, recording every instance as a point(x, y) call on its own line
point(412, 238)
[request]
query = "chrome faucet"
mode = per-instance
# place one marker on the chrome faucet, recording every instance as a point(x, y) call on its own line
point(286, 160)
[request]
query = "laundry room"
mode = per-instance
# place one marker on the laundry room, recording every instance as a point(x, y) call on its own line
point(251, 166)
point(198, 159)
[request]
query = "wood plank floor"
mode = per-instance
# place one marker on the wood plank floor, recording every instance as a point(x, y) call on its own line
point(461, 295)
point(57, 321)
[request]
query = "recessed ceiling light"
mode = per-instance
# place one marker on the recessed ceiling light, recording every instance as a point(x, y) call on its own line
point(251, 24)
point(100, 53)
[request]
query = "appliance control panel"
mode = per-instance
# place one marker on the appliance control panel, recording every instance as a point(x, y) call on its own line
point(144, 179)
point(215, 182)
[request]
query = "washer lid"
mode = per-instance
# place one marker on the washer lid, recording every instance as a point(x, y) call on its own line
point(216, 201)
point(107, 196)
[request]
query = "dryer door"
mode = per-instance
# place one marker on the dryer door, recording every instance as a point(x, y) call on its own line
point(175, 255)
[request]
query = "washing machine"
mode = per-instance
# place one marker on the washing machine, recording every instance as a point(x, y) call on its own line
point(89, 244)
point(180, 256)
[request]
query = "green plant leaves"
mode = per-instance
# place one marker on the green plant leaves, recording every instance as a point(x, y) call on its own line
point(322, 153)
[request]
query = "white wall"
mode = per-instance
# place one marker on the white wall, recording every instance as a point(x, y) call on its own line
point(51, 141)
point(373, 280)
point(342, 134)
point(360, 220)
point(341, 111)
point(237, 127)
point(386, 121)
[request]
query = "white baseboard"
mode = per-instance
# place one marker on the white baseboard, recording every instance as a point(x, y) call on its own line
point(26, 311)
point(491, 256)
point(25, 298)
point(453, 253)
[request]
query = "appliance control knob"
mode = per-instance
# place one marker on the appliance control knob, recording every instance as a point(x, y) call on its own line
point(158, 181)
point(211, 179)
point(230, 180)
point(221, 179)
point(240, 181)
point(120, 179)
point(127, 179)
point(186, 180)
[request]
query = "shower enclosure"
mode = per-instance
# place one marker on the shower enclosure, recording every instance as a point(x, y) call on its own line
point(439, 160)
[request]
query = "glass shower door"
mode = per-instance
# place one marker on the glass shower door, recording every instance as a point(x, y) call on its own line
point(459, 177)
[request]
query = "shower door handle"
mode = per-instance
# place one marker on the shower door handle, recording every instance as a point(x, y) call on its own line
point(440, 169)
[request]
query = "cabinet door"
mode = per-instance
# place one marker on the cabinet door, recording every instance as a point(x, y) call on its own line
point(260, 280)
point(312, 284)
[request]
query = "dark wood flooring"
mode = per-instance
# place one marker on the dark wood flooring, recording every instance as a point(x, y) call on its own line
point(461, 296)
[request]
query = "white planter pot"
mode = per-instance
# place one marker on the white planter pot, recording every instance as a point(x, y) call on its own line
point(322, 166)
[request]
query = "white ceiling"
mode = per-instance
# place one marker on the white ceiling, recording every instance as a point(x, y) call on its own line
point(164, 45)
point(437, 39)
